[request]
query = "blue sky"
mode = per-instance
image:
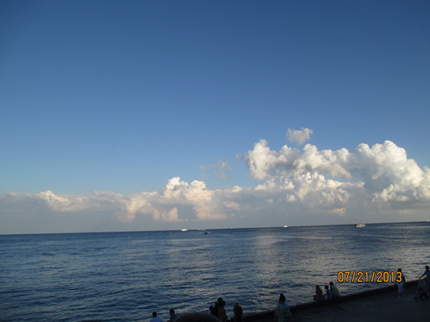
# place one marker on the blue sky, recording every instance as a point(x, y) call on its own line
point(106, 104)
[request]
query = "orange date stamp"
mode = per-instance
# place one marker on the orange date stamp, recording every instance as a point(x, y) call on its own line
point(368, 277)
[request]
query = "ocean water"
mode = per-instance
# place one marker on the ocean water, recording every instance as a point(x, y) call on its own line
point(126, 276)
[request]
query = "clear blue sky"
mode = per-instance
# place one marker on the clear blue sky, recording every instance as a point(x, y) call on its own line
point(105, 104)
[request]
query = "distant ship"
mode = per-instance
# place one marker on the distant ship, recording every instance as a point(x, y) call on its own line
point(360, 225)
point(184, 229)
point(285, 226)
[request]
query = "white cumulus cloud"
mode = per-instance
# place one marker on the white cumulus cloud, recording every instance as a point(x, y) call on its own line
point(292, 181)
point(382, 172)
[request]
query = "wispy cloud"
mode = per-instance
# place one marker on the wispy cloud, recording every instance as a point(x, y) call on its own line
point(299, 136)
point(220, 166)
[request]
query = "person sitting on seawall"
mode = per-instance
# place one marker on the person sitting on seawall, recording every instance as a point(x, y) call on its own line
point(155, 318)
point(238, 313)
point(173, 316)
point(421, 290)
point(214, 309)
point(282, 311)
point(427, 276)
point(334, 290)
point(222, 315)
point(328, 293)
point(319, 296)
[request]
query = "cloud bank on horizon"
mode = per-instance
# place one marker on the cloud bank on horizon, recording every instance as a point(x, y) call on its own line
point(291, 182)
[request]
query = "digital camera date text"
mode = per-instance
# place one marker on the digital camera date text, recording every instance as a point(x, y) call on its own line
point(368, 277)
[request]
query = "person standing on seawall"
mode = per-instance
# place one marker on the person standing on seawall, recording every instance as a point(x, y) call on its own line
point(427, 274)
point(282, 312)
point(401, 284)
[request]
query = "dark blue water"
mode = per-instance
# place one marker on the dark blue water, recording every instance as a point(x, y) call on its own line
point(126, 276)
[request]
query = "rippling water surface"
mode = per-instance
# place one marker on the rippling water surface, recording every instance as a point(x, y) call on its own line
point(126, 276)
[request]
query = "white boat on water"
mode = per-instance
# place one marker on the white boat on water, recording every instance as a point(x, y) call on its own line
point(285, 226)
point(184, 229)
point(360, 225)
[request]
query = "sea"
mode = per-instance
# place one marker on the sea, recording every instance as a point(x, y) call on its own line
point(125, 276)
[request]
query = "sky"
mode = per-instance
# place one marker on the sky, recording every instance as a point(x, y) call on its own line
point(159, 115)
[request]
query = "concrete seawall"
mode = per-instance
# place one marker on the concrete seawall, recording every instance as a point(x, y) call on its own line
point(269, 315)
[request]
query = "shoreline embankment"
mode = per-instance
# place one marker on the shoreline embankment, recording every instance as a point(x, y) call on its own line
point(300, 308)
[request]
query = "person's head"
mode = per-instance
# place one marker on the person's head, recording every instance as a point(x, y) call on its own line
point(326, 287)
point(331, 283)
point(427, 268)
point(236, 304)
point(281, 298)
point(154, 314)
point(172, 311)
point(399, 270)
point(197, 317)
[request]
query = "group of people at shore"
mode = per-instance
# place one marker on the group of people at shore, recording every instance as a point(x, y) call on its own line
point(331, 292)
point(423, 287)
point(218, 310)
point(282, 311)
